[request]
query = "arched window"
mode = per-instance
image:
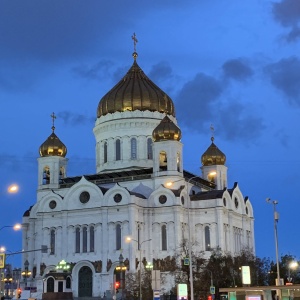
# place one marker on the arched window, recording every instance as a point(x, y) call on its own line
point(92, 239)
point(118, 237)
point(118, 149)
point(84, 239)
point(105, 152)
point(61, 174)
point(164, 237)
point(77, 240)
point(207, 238)
point(52, 241)
point(149, 148)
point(133, 148)
point(163, 161)
point(46, 175)
point(50, 285)
point(68, 283)
point(178, 162)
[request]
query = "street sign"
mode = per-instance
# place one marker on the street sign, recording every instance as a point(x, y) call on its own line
point(186, 261)
point(212, 290)
point(156, 295)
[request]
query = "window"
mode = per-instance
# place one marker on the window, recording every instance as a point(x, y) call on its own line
point(139, 237)
point(163, 161)
point(133, 149)
point(52, 241)
point(149, 148)
point(118, 237)
point(164, 237)
point(118, 149)
point(207, 238)
point(84, 239)
point(178, 162)
point(68, 283)
point(92, 239)
point(61, 174)
point(46, 175)
point(77, 240)
point(105, 152)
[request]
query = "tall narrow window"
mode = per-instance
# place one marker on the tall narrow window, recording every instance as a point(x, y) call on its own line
point(207, 238)
point(149, 148)
point(105, 152)
point(77, 240)
point(163, 161)
point(52, 241)
point(164, 237)
point(139, 237)
point(84, 239)
point(46, 175)
point(133, 148)
point(61, 174)
point(92, 239)
point(118, 237)
point(118, 149)
point(178, 162)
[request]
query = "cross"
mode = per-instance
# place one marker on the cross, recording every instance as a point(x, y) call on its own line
point(53, 118)
point(212, 129)
point(134, 41)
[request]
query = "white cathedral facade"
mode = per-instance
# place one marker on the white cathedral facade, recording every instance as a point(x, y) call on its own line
point(139, 189)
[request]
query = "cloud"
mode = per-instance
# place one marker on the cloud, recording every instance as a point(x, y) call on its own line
point(161, 71)
point(95, 72)
point(75, 119)
point(194, 101)
point(285, 76)
point(237, 122)
point(237, 69)
point(287, 13)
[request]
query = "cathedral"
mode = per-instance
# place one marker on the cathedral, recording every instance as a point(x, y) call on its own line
point(139, 204)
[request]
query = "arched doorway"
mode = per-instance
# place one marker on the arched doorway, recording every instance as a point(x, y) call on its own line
point(85, 282)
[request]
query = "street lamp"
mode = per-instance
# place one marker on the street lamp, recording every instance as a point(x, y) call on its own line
point(129, 239)
point(26, 273)
point(15, 227)
point(292, 265)
point(276, 218)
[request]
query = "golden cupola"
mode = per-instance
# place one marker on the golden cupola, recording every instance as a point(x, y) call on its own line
point(166, 130)
point(53, 145)
point(135, 91)
point(213, 155)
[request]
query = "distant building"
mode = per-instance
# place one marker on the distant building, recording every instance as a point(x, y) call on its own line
point(140, 189)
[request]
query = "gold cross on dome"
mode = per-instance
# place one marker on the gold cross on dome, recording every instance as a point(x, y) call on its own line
point(212, 129)
point(134, 41)
point(53, 118)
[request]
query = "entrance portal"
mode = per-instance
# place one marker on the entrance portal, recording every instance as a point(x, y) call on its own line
point(85, 282)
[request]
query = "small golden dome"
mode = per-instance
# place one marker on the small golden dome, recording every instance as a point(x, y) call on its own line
point(213, 155)
point(135, 91)
point(53, 145)
point(166, 130)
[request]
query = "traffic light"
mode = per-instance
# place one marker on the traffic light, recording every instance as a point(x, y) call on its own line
point(19, 291)
point(117, 286)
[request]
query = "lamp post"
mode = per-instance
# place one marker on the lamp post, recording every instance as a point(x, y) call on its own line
point(276, 218)
point(140, 262)
point(190, 239)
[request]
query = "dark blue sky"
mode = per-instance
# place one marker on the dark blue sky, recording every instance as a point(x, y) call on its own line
point(234, 64)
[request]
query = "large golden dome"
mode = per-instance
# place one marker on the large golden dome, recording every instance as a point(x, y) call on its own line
point(53, 146)
point(135, 91)
point(213, 155)
point(166, 130)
